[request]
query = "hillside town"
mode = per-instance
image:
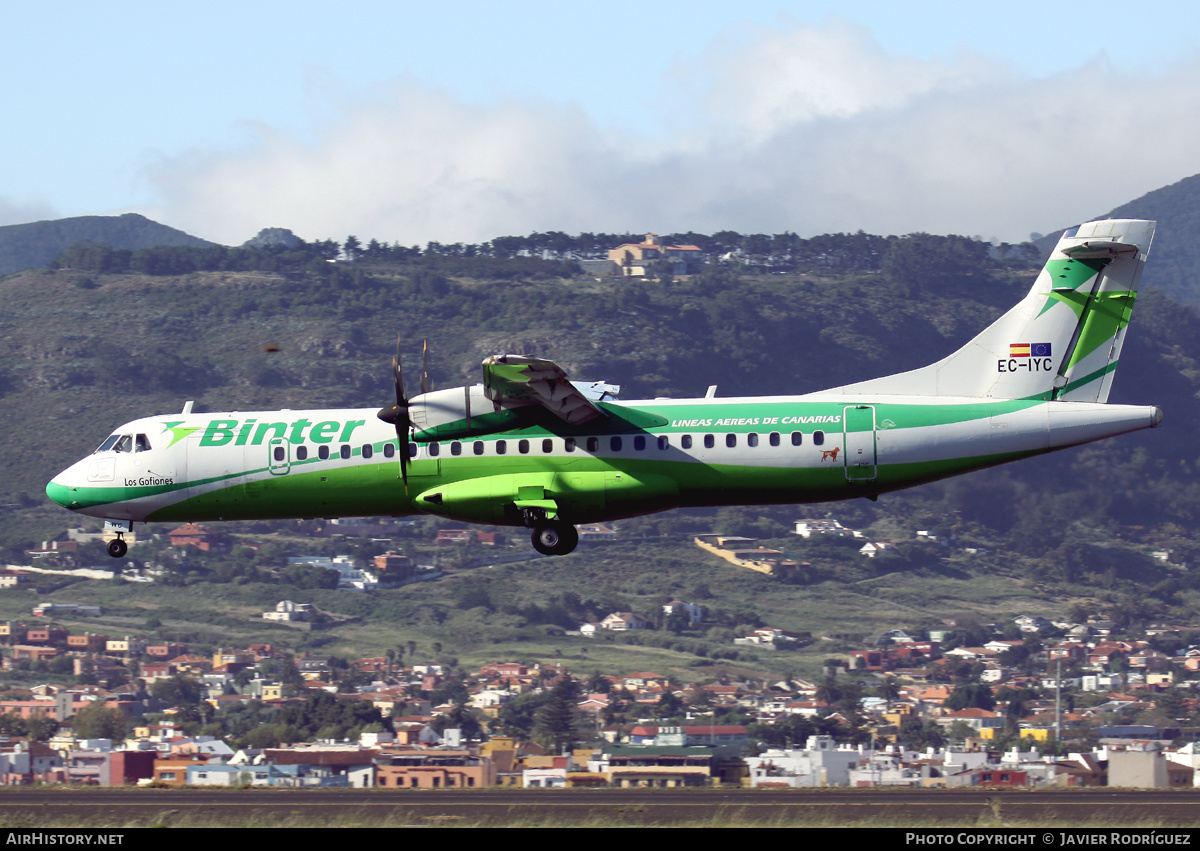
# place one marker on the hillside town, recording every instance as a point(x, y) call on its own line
point(911, 710)
point(1035, 701)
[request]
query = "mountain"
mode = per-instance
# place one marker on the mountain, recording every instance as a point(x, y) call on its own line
point(35, 244)
point(1175, 256)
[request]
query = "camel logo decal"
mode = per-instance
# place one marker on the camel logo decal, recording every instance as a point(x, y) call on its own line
point(830, 454)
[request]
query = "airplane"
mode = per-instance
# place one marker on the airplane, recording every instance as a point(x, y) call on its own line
point(528, 447)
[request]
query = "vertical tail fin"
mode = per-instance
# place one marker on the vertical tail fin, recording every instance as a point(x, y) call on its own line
point(1096, 272)
point(1062, 341)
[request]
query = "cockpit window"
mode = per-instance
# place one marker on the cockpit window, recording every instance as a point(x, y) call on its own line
point(143, 443)
point(125, 444)
point(108, 443)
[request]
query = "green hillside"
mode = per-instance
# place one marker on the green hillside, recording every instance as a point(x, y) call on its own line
point(283, 327)
point(34, 245)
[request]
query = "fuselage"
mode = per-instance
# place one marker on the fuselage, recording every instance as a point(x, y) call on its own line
point(645, 456)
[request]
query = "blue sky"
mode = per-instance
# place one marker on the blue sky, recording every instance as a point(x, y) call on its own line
point(411, 122)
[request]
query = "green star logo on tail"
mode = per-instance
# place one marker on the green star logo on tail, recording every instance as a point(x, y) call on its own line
point(179, 430)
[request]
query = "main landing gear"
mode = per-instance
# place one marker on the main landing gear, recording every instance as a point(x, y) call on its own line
point(117, 547)
point(551, 537)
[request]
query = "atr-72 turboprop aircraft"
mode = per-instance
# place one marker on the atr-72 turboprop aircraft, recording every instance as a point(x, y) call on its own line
point(528, 447)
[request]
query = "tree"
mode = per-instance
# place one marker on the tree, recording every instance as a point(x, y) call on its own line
point(557, 722)
point(98, 721)
point(177, 691)
point(888, 689)
point(971, 695)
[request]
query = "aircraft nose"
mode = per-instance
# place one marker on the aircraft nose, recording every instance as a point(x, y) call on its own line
point(61, 493)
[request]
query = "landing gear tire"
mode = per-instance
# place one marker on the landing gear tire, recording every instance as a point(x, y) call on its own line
point(554, 539)
point(117, 548)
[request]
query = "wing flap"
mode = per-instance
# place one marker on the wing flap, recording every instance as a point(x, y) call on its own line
point(511, 380)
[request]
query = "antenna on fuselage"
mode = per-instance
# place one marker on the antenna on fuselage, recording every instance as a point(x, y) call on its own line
point(187, 406)
point(712, 392)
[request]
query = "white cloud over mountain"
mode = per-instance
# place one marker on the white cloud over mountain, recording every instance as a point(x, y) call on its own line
point(806, 129)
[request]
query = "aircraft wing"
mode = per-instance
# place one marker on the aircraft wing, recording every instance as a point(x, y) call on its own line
point(521, 380)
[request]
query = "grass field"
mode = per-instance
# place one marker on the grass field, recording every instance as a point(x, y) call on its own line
point(838, 615)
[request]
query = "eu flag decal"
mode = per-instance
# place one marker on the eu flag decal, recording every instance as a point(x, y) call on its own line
point(1027, 350)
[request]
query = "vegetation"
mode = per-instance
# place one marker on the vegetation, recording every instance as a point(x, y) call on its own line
point(111, 334)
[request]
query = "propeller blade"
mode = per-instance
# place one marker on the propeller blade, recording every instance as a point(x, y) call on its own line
point(398, 375)
point(426, 385)
point(397, 414)
point(404, 461)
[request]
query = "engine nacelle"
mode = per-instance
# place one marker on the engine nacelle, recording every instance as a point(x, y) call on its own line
point(463, 412)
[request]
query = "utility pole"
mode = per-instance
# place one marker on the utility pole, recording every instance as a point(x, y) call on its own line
point(1058, 704)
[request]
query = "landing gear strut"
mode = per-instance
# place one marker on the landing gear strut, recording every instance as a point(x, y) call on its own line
point(551, 537)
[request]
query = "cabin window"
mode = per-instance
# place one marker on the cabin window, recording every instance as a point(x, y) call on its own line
point(686, 441)
point(412, 450)
point(818, 438)
point(435, 449)
point(615, 444)
point(797, 438)
point(523, 447)
point(569, 444)
point(639, 443)
point(709, 441)
point(125, 444)
point(279, 453)
point(368, 450)
point(774, 439)
point(456, 448)
point(501, 447)
point(593, 443)
point(389, 450)
point(301, 453)
point(731, 440)
point(752, 439)
point(547, 445)
point(664, 442)
point(345, 450)
point(143, 444)
point(477, 447)
point(323, 453)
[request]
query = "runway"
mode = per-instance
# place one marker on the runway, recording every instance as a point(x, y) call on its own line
point(128, 808)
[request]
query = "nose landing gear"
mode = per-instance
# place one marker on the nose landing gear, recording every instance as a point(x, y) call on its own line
point(117, 547)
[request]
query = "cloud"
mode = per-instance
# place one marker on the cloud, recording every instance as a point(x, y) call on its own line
point(12, 213)
point(807, 129)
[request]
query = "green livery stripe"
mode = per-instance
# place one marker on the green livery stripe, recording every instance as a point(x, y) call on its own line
point(1087, 379)
point(308, 493)
point(374, 489)
point(1106, 315)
